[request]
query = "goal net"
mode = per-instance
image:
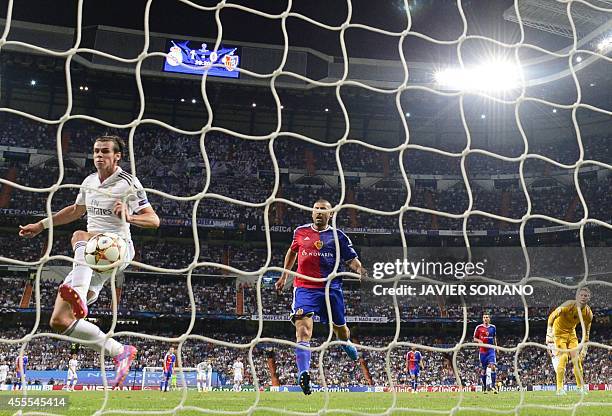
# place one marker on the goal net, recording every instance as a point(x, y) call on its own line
point(152, 378)
point(506, 83)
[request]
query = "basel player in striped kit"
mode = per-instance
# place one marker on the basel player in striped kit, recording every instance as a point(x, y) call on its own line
point(414, 362)
point(486, 333)
point(20, 370)
point(314, 249)
point(169, 360)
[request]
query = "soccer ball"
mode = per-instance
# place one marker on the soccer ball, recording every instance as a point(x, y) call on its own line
point(103, 250)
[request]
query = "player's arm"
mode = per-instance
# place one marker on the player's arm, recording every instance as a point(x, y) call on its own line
point(475, 338)
point(288, 264)
point(355, 266)
point(64, 216)
point(588, 319)
point(145, 218)
point(550, 334)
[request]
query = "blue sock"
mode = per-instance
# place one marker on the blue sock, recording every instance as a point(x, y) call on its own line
point(493, 377)
point(303, 357)
point(414, 384)
point(484, 381)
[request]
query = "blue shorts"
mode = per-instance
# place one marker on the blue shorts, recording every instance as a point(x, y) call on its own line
point(415, 371)
point(168, 374)
point(311, 301)
point(18, 376)
point(487, 358)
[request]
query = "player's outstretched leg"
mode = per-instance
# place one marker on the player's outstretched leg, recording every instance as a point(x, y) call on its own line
point(123, 361)
point(63, 321)
point(74, 289)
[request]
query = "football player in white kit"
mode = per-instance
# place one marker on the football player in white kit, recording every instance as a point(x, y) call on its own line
point(238, 368)
point(4, 370)
point(201, 376)
point(71, 377)
point(209, 376)
point(101, 198)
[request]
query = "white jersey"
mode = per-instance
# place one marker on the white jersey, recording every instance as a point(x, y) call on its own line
point(4, 370)
point(238, 368)
point(201, 368)
point(73, 365)
point(100, 216)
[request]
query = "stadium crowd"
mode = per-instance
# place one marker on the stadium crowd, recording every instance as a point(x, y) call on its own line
point(219, 296)
point(174, 164)
point(534, 364)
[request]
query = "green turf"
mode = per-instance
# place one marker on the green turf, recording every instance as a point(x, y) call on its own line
point(86, 403)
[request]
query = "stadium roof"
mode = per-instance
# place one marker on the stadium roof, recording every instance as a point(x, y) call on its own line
point(552, 16)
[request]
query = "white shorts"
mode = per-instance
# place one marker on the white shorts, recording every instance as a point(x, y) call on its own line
point(201, 376)
point(98, 279)
point(71, 375)
point(237, 379)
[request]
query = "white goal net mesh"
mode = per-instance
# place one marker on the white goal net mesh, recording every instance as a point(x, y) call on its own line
point(344, 81)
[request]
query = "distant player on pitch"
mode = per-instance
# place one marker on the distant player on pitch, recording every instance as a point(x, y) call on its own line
point(314, 248)
point(20, 370)
point(168, 369)
point(414, 362)
point(204, 377)
point(561, 334)
point(238, 369)
point(486, 334)
point(72, 378)
point(4, 370)
point(104, 214)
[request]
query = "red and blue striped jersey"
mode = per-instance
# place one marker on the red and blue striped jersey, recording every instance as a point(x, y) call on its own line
point(413, 360)
point(20, 364)
point(485, 333)
point(316, 254)
point(169, 361)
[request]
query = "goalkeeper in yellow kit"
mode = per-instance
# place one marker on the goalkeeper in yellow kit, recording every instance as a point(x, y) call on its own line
point(561, 334)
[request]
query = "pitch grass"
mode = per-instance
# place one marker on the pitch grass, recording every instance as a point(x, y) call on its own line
point(221, 403)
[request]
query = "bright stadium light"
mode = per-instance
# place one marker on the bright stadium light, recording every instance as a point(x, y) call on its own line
point(579, 59)
point(33, 82)
point(605, 44)
point(491, 76)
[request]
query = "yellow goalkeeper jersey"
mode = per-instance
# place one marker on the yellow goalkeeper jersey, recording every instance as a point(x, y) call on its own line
point(565, 318)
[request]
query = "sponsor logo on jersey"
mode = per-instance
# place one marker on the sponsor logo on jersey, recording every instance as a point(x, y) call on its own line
point(98, 211)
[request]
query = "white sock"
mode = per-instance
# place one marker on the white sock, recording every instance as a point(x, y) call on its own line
point(87, 331)
point(81, 275)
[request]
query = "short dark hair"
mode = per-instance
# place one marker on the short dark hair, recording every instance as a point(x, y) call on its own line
point(323, 201)
point(118, 143)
